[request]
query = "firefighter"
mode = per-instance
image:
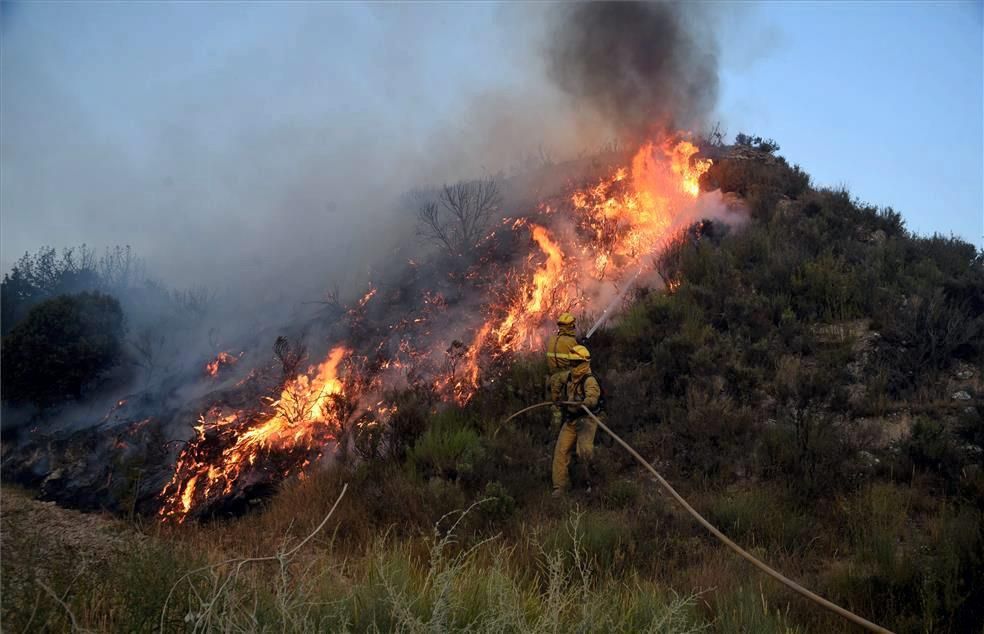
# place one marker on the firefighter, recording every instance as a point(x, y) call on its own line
point(577, 430)
point(559, 357)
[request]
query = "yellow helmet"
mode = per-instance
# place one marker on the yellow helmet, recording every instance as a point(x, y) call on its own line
point(581, 352)
point(565, 319)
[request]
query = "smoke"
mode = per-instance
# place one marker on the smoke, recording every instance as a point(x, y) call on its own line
point(643, 66)
point(264, 153)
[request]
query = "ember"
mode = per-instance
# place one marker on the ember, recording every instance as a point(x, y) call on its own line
point(221, 360)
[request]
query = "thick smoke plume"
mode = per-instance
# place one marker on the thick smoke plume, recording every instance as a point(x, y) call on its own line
point(641, 66)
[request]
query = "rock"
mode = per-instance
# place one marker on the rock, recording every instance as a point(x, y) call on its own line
point(961, 396)
point(964, 371)
point(54, 476)
point(868, 459)
point(839, 332)
point(878, 237)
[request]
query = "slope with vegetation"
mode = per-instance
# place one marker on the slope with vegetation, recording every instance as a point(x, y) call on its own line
point(812, 384)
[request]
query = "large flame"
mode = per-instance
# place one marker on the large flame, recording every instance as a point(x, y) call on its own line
point(587, 248)
point(303, 419)
point(617, 222)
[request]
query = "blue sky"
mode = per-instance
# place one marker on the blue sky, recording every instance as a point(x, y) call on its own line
point(885, 98)
point(174, 127)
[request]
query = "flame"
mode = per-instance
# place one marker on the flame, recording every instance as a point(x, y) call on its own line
point(365, 298)
point(540, 294)
point(617, 221)
point(689, 170)
point(220, 361)
point(303, 419)
point(598, 237)
point(189, 494)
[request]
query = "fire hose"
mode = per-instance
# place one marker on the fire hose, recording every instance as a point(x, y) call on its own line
point(786, 581)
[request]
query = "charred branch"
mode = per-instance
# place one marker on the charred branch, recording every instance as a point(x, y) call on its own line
point(460, 216)
point(290, 355)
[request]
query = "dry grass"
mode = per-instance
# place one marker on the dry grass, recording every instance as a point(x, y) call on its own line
point(447, 580)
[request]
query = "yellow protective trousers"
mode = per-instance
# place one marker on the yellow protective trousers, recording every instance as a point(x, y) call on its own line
point(579, 432)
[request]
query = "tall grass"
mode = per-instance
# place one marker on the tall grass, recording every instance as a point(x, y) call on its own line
point(447, 581)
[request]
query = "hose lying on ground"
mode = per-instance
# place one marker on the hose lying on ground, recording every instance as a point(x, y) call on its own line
point(789, 583)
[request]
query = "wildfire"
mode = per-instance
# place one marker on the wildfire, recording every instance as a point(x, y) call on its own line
point(616, 223)
point(301, 421)
point(221, 360)
point(583, 250)
point(542, 293)
point(689, 171)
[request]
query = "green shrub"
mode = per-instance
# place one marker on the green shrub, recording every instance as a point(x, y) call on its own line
point(952, 588)
point(61, 347)
point(622, 494)
point(876, 520)
point(928, 580)
point(603, 538)
point(932, 447)
point(498, 506)
point(763, 516)
point(449, 449)
point(408, 422)
point(714, 434)
point(827, 289)
point(747, 610)
point(751, 177)
point(924, 337)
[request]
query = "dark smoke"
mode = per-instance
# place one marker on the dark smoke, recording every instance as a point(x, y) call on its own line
point(645, 67)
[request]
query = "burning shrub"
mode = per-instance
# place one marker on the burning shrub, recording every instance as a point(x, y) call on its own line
point(62, 346)
point(222, 360)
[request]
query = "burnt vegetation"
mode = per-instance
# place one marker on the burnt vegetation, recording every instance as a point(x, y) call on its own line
point(457, 217)
point(811, 381)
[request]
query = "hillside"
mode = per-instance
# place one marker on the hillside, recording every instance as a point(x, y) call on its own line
point(811, 381)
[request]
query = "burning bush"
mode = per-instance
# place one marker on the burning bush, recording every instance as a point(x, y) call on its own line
point(222, 360)
point(62, 346)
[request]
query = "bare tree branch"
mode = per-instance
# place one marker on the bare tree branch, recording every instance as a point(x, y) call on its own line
point(460, 216)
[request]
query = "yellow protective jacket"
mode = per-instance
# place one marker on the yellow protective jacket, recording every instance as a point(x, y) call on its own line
point(576, 385)
point(559, 346)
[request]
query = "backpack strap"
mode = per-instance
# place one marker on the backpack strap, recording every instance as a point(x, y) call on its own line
point(601, 397)
point(584, 378)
